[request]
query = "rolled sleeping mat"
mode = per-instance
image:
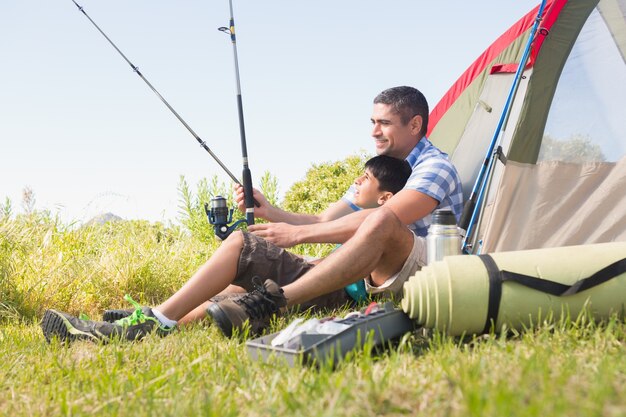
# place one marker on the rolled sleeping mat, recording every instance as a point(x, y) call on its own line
point(468, 294)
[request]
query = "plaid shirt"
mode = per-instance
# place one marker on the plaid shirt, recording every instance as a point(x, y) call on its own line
point(434, 175)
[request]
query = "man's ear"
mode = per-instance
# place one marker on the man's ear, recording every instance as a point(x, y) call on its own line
point(383, 197)
point(416, 124)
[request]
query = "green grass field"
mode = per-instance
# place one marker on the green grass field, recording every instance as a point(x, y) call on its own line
point(571, 368)
point(568, 370)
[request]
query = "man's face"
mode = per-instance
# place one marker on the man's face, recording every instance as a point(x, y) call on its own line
point(367, 193)
point(391, 136)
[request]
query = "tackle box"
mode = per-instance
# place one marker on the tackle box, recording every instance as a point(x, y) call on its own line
point(383, 325)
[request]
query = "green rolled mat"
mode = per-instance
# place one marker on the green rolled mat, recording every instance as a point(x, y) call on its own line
point(467, 294)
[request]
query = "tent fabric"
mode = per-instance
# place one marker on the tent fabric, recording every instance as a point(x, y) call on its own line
point(565, 140)
point(478, 132)
point(613, 12)
point(589, 207)
point(587, 112)
point(548, 66)
point(447, 130)
point(483, 62)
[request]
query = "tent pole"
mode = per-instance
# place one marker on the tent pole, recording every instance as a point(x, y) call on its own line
point(472, 207)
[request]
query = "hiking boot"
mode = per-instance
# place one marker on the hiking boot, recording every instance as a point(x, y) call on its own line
point(256, 307)
point(68, 328)
point(114, 315)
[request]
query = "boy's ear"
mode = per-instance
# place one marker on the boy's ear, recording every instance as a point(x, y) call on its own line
point(383, 197)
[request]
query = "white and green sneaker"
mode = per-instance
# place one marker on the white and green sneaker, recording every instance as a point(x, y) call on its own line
point(68, 328)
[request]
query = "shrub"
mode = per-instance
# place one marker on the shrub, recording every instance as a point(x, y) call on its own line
point(323, 184)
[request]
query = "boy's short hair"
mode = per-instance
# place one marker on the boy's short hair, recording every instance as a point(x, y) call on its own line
point(391, 173)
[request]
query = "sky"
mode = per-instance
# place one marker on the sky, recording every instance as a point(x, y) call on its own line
point(88, 136)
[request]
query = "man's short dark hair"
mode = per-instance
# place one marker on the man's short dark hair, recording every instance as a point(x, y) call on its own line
point(407, 102)
point(391, 173)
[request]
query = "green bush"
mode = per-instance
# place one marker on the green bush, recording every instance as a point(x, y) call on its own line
point(324, 184)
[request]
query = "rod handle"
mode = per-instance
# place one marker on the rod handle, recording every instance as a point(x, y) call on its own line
point(248, 195)
point(468, 210)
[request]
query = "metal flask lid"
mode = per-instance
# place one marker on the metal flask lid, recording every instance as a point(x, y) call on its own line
point(443, 217)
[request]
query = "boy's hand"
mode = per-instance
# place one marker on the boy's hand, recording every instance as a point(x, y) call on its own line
point(260, 211)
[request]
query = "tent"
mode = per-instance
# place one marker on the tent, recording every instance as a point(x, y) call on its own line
point(561, 177)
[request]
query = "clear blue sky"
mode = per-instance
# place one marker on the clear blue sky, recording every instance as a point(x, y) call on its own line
point(88, 136)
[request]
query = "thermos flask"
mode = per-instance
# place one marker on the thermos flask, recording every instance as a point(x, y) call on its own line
point(443, 237)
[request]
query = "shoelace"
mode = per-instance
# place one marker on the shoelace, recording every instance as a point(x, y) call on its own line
point(258, 303)
point(137, 317)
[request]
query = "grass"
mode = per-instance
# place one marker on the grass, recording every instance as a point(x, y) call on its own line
point(567, 368)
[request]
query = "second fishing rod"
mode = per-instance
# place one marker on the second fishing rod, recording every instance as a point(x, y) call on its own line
point(219, 213)
point(246, 175)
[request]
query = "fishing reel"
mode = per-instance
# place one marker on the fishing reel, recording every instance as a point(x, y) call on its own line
point(220, 216)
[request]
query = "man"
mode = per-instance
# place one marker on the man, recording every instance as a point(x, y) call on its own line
point(377, 244)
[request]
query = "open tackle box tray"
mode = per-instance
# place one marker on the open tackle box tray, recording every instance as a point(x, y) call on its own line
point(385, 324)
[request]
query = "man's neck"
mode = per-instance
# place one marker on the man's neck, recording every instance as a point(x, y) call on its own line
point(408, 152)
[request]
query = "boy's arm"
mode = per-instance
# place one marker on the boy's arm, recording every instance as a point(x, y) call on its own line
point(267, 211)
point(408, 205)
point(334, 211)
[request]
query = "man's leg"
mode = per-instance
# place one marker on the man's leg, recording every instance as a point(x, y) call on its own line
point(378, 249)
point(212, 278)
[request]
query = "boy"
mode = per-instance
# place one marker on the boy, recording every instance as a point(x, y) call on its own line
point(382, 178)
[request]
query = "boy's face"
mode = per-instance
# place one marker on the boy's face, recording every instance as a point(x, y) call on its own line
point(368, 194)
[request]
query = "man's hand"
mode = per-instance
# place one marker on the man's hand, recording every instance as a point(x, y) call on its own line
point(262, 211)
point(280, 234)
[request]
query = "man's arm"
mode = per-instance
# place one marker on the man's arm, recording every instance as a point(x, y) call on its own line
point(411, 205)
point(408, 205)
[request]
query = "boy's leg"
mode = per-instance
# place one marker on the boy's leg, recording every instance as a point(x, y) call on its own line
point(199, 313)
point(231, 268)
point(212, 278)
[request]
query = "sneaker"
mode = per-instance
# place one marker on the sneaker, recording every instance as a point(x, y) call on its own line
point(68, 328)
point(115, 315)
point(256, 307)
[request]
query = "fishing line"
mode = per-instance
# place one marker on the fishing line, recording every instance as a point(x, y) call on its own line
point(200, 141)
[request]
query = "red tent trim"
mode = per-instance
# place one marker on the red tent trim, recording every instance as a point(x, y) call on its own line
point(553, 9)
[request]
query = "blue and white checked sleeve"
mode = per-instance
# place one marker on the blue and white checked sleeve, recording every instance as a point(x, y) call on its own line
point(434, 177)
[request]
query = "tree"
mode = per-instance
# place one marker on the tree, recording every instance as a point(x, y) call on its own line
point(578, 148)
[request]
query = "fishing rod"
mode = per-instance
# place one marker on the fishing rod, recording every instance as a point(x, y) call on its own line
point(247, 176)
point(218, 215)
point(473, 206)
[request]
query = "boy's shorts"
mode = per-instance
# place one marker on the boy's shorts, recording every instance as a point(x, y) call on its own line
point(268, 261)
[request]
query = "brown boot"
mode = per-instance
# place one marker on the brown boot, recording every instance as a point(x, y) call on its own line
point(256, 307)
